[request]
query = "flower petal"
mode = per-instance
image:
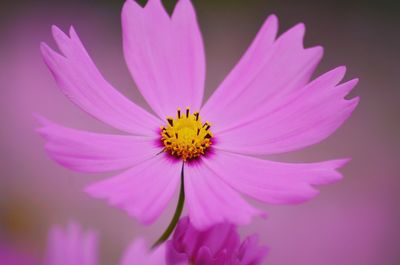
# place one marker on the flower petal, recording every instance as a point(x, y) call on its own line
point(72, 246)
point(82, 82)
point(165, 55)
point(304, 118)
point(273, 182)
point(251, 252)
point(249, 66)
point(94, 152)
point(211, 201)
point(139, 253)
point(268, 71)
point(144, 190)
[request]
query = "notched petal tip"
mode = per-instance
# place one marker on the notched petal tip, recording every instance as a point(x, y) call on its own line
point(72, 32)
point(353, 82)
point(295, 35)
point(155, 6)
point(341, 162)
point(130, 9)
point(44, 48)
point(55, 29)
point(183, 6)
point(43, 122)
point(341, 70)
point(271, 24)
point(95, 190)
point(317, 50)
point(273, 19)
point(58, 34)
point(354, 103)
point(50, 56)
point(299, 29)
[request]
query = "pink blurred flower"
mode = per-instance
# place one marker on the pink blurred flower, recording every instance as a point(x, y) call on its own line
point(266, 105)
point(219, 245)
point(72, 246)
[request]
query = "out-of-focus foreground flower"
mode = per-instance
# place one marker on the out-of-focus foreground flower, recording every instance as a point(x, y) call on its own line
point(219, 245)
point(266, 105)
point(73, 246)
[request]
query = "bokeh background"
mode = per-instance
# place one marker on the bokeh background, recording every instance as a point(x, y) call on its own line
point(353, 222)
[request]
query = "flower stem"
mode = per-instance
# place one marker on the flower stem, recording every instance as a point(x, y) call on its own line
point(178, 211)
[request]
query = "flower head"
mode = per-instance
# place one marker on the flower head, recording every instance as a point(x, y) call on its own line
point(220, 244)
point(185, 136)
point(267, 104)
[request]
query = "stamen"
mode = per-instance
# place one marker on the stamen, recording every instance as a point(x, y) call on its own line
point(187, 138)
point(170, 121)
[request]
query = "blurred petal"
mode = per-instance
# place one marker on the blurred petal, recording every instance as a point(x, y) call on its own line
point(268, 71)
point(273, 182)
point(139, 253)
point(165, 55)
point(304, 118)
point(250, 252)
point(94, 152)
point(211, 201)
point(144, 190)
point(71, 246)
point(82, 82)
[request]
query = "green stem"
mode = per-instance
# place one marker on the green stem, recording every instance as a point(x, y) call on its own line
point(178, 211)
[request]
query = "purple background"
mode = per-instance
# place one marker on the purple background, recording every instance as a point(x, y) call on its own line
point(355, 221)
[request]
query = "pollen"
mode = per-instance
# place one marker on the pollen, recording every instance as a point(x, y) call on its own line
point(185, 136)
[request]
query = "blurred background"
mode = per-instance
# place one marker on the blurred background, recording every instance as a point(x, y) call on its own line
point(355, 221)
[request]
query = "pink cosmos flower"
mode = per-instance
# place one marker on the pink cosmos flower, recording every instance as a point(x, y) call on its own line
point(267, 104)
point(218, 245)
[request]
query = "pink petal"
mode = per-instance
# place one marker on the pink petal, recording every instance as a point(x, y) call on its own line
point(210, 201)
point(139, 253)
point(249, 66)
point(267, 72)
point(251, 252)
point(165, 55)
point(94, 152)
point(303, 118)
point(273, 182)
point(71, 246)
point(82, 82)
point(144, 190)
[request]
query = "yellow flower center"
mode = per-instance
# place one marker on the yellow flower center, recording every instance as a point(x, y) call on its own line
point(185, 136)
